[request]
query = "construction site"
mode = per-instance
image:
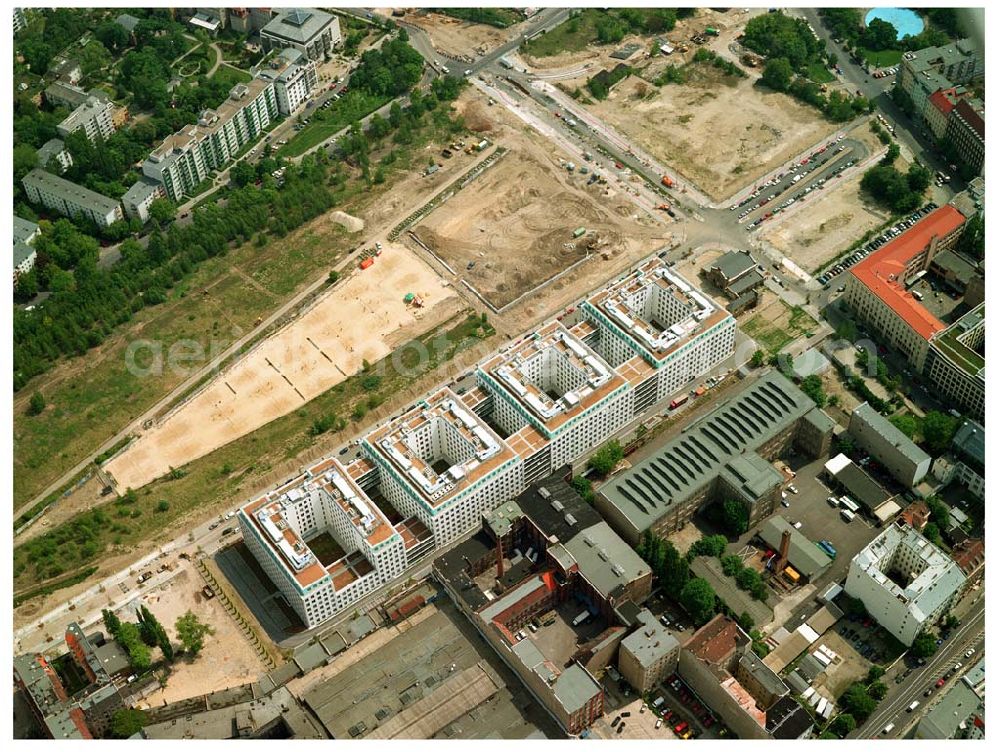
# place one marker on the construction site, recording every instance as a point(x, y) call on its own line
point(498, 233)
point(695, 129)
point(458, 39)
point(386, 301)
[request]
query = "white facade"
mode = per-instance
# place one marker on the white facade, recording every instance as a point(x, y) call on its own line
point(905, 581)
point(187, 157)
point(657, 314)
point(278, 528)
point(70, 199)
point(294, 77)
point(140, 197)
point(481, 471)
point(93, 117)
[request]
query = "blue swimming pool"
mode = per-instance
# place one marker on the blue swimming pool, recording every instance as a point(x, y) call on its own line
point(905, 20)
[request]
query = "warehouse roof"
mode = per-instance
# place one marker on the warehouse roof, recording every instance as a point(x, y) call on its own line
point(682, 466)
point(861, 486)
point(557, 509)
point(804, 555)
point(957, 706)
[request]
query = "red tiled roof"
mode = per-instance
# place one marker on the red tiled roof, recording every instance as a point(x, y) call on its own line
point(880, 271)
point(941, 101)
point(973, 118)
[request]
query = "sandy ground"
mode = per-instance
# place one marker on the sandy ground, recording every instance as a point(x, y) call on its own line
point(716, 131)
point(458, 38)
point(515, 222)
point(363, 318)
point(227, 660)
point(829, 226)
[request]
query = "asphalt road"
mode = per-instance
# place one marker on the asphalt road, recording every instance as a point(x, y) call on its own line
point(892, 709)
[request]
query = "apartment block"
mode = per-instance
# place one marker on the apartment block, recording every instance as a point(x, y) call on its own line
point(877, 287)
point(552, 385)
point(188, 157)
point(93, 117)
point(53, 155)
point(140, 196)
point(905, 581)
point(925, 71)
point(70, 199)
point(294, 78)
point(966, 130)
point(904, 460)
point(322, 541)
point(25, 233)
point(649, 655)
point(718, 664)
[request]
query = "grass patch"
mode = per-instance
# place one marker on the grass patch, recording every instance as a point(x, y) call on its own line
point(819, 73)
point(93, 397)
point(882, 58)
point(51, 587)
point(352, 106)
point(134, 518)
point(230, 75)
point(773, 335)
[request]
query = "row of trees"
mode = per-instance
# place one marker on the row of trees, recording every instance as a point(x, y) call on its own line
point(138, 638)
point(695, 594)
point(604, 460)
point(779, 74)
point(83, 314)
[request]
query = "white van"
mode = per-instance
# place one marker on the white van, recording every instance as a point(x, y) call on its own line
point(912, 706)
point(847, 515)
point(888, 728)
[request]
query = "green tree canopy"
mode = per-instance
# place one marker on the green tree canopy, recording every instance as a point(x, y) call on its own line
point(127, 722)
point(604, 459)
point(698, 599)
point(938, 430)
point(777, 74)
point(924, 645)
point(191, 632)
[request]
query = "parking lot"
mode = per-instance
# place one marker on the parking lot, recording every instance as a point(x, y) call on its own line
point(853, 257)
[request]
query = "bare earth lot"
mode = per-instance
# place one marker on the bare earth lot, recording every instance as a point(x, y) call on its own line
point(459, 38)
point(516, 221)
point(363, 318)
point(227, 660)
point(718, 132)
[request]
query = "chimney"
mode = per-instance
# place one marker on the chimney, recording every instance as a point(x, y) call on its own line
point(786, 539)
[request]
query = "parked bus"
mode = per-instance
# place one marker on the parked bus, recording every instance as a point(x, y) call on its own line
point(849, 505)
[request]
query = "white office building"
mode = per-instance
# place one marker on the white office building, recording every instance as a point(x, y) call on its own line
point(553, 393)
point(294, 77)
point(312, 32)
point(70, 199)
point(440, 463)
point(93, 117)
point(187, 157)
point(905, 581)
point(356, 549)
point(658, 315)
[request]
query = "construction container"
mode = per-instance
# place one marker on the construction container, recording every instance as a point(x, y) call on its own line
point(792, 575)
point(712, 32)
point(367, 262)
point(408, 298)
point(579, 232)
